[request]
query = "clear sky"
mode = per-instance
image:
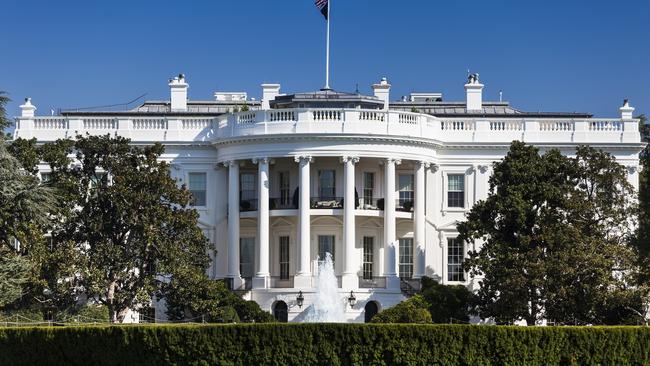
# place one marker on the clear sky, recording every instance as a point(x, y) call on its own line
point(552, 55)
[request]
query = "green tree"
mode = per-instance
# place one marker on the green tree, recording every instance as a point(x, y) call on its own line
point(552, 237)
point(4, 121)
point(642, 241)
point(446, 303)
point(413, 310)
point(14, 273)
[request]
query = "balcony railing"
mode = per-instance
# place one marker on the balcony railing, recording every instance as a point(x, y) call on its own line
point(248, 205)
point(371, 203)
point(326, 202)
point(334, 121)
point(278, 282)
point(282, 204)
point(404, 205)
point(374, 282)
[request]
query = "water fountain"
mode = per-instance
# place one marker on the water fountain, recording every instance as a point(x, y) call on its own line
point(327, 307)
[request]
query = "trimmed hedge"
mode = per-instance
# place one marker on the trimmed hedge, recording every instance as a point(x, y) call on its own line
point(324, 344)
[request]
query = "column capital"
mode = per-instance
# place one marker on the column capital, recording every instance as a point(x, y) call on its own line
point(393, 161)
point(423, 163)
point(480, 168)
point(303, 158)
point(434, 167)
point(631, 169)
point(230, 163)
point(264, 160)
point(352, 159)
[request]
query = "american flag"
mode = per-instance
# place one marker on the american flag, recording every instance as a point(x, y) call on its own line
point(322, 6)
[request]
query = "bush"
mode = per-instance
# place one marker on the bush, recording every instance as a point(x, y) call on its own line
point(446, 303)
point(324, 344)
point(413, 310)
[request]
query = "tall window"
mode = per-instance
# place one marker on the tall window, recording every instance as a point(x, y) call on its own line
point(406, 258)
point(326, 184)
point(285, 195)
point(246, 257)
point(456, 190)
point(368, 256)
point(406, 191)
point(368, 187)
point(247, 186)
point(325, 245)
point(455, 256)
point(284, 257)
point(197, 183)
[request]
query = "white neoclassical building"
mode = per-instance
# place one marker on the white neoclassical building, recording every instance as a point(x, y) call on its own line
point(379, 184)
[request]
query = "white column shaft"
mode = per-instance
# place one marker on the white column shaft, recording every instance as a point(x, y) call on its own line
point(419, 220)
point(233, 219)
point(263, 219)
point(349, 218)
point(389, 220)
point(304, 208)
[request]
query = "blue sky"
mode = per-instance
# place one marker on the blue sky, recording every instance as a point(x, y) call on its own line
point(548, 55)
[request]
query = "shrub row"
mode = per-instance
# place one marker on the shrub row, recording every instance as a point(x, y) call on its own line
point(324, 344)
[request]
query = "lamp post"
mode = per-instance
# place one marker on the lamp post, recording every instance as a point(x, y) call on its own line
point(300, 299)
point(352, 300)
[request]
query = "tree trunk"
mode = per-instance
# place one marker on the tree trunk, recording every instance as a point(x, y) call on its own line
point(110, 298)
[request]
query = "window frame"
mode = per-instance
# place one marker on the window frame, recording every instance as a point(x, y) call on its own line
point(445, 191)
point(284, 264)
point(368, 257)
point(189, 187)
point(320, 184)
point(403, 255)
point(463, 255)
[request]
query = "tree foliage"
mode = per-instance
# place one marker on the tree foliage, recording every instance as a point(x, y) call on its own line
point(14, 273)
point(413, 310)
point(552, 238)
point(446, 303)
point(4, 121)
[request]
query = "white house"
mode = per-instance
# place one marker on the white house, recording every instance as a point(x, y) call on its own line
point(379, 184)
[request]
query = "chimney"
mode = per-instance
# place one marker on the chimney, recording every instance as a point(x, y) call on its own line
point(382, 92)
point(474, 91)
point(178, 88)
point(269, 92)
point(626, 111)
point(27, 110)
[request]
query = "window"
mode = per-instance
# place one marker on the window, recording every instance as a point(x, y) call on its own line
point(456, 190)
point(368, 256)
point(326, 184)
point(325, 245)
point(246, 256)
point(247, 186)
point(285, 195)
point(368, 187)
point(284, 257)
point(406, 258)
point(46, 178)
point(198, 188)
point(406, 191)
point(455, 255)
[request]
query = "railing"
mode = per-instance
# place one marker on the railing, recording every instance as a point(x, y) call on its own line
point(371, 203)
point(278, 282)
point(404, 205)
point(248, 205)
point(282, 204)
point(326, 202)
point(335, 121)
point(49, 123)
point(100, 123)
point(374, 282)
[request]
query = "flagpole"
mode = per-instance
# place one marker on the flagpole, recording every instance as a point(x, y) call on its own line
point(327, 56)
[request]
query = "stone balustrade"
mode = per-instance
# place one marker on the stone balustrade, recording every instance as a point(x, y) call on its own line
point(335, 121)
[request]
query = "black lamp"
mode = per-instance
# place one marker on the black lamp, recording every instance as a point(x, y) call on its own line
point(352, 299)
point(300, 299)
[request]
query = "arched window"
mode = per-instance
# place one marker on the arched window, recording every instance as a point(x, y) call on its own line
point(371, 310)
point(280, 311)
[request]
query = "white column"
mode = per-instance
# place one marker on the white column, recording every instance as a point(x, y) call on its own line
point(349, 278)
point(262, 276)
point(233, 223)
point(419, 220)
point(303, 270)
point(391, 249)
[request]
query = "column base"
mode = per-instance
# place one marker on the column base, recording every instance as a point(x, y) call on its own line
point(349, 280)
point(261, 282)
point(302, 281)
point(392, 282)
point(236, 283)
